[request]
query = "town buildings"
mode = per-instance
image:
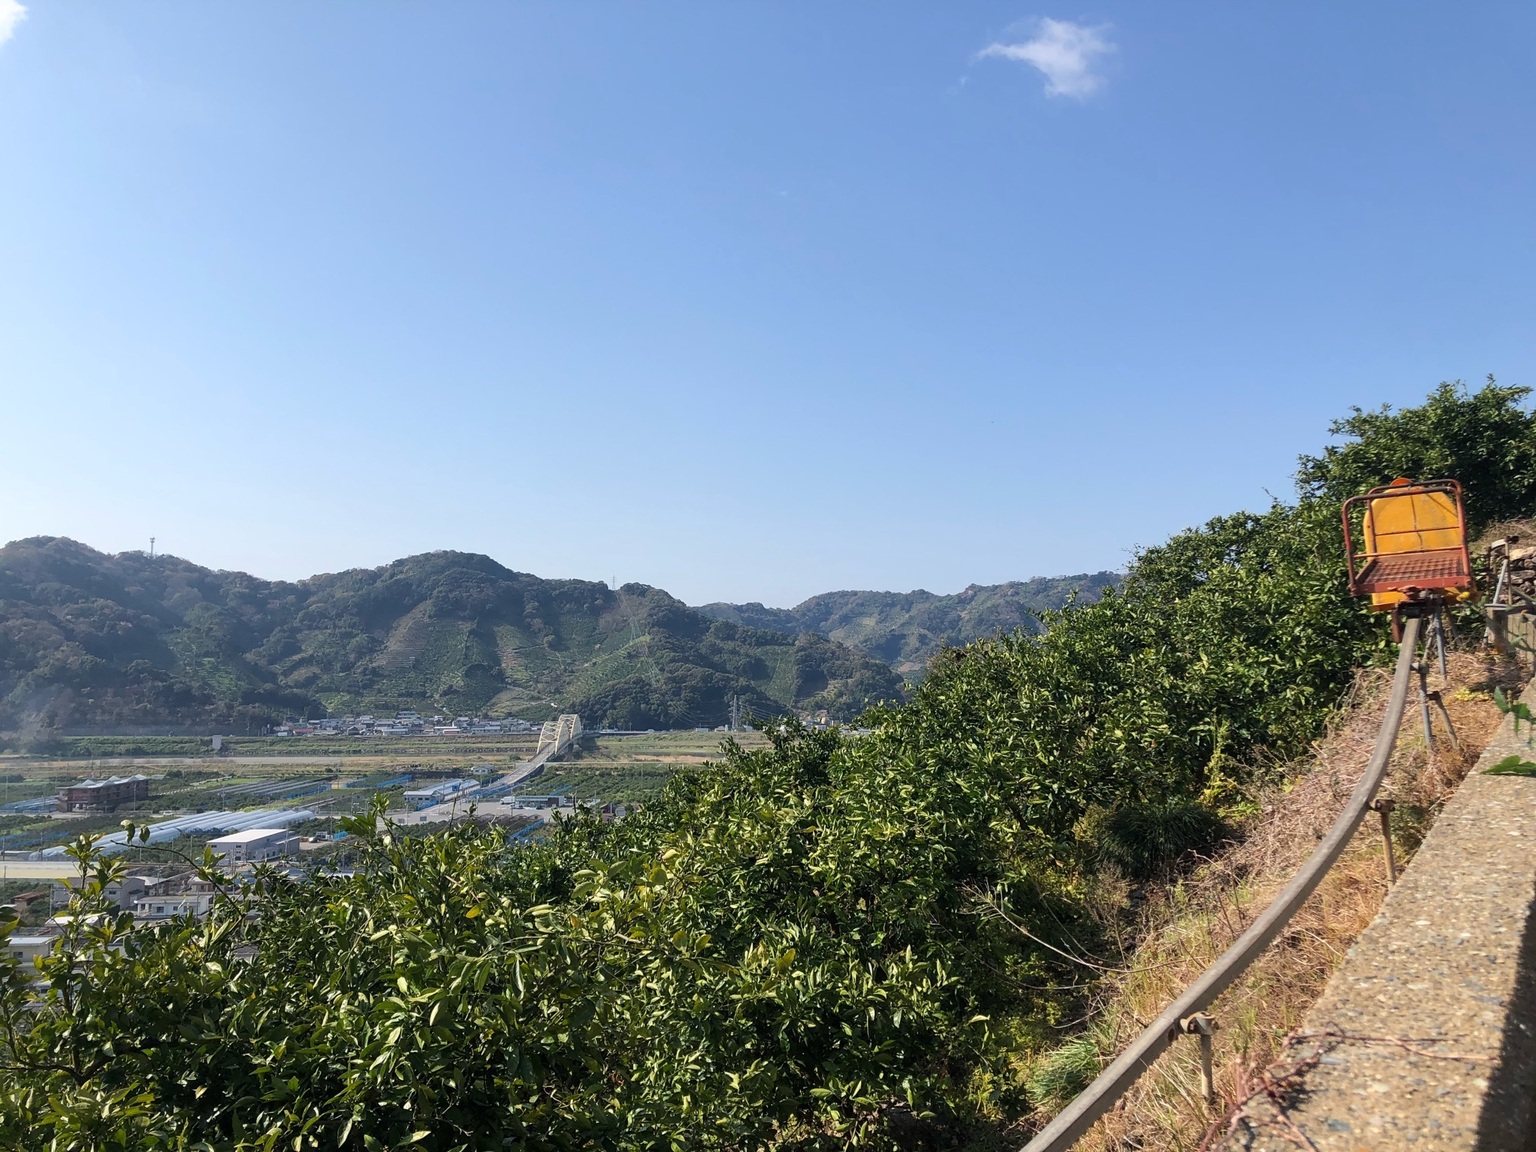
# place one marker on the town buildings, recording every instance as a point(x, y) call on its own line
point(123, 892)
point(404, 724)
point(27, 948)
point(165, 906)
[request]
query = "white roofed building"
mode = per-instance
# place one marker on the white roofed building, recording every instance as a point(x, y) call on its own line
point(255, 845)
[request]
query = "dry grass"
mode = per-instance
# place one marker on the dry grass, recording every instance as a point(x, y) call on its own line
point(1192, 924)
point(1523, 528)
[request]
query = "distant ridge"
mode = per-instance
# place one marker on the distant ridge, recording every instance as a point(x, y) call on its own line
point(91, 640)
point(905, 629)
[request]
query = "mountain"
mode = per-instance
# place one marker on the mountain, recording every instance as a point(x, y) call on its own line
point(90, 640)
point(905, 629)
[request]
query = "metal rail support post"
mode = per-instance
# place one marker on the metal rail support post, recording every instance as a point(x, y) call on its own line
point(1383, 807)
point(1422, 668)
point(1428, 696)
point(1498, 622)
point(1203, 1024)
point(1450, 729)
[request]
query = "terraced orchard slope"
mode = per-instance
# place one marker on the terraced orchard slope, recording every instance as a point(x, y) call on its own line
point(905, 629)
point(91, 640)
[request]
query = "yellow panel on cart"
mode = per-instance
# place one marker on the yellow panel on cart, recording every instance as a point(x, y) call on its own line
point(1416, 522)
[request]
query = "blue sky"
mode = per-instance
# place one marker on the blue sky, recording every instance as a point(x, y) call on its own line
point(747, 301)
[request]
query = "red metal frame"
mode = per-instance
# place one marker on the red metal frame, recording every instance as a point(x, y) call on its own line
point(1409, 573)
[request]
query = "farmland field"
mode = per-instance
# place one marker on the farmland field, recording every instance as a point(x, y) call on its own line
point(331, 778)
point(631, 768)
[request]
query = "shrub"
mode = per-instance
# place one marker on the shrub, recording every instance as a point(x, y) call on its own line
point(1143, 840)
point(1063, 1072)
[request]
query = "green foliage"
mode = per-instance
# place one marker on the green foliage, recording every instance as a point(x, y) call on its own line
point(89, 746)
point(1518, 710)
point(906, 629)
point(1486, 439)
point(611, 781)
point(1227, 647)
point(1063, 1072)
point(765, 949)
point(1141, 839)
point(1511, 766)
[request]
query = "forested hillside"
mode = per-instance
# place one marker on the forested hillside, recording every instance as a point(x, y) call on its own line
point(888, 941)
point(88, 639)
point(905, 629)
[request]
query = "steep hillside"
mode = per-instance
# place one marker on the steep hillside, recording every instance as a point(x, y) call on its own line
point(91, 639)
point(905, 629)
point(88, 639)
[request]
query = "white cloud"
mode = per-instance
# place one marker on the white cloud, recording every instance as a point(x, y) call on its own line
point(1065, 52)
point(12, 12)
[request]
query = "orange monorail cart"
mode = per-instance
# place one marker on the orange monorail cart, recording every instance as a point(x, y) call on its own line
point(1413, 559)
point(1415, 544)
